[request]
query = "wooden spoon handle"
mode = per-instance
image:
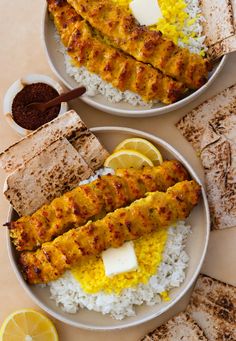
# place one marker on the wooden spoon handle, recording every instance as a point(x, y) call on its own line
point(68, 96)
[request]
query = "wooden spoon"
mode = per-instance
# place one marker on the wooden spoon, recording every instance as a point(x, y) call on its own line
point(68, 96)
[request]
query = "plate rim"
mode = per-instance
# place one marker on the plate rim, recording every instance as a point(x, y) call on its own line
point(66, 320)
point(126, 112)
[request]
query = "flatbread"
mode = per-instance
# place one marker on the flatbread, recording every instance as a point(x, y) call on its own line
point(89, 147)
point(22, 151)
point(69, 126)
point(211, 129)
point(193, 124)
point(218, 156)
point(213, 307)
point(218, 24)
point(180, 328)
point(54, 171)
point(216, 291)
point(228, 42)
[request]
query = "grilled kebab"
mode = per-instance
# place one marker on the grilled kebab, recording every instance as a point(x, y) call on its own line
point(143, 216)
point(89, 201)
point(86, 48)
point(148, 46)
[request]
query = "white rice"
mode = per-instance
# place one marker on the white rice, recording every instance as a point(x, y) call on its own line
point(95, 85)
point(99, 172)
point(68, 294)
point(196, 44)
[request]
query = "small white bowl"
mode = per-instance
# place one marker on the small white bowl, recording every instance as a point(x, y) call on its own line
point(16, 87)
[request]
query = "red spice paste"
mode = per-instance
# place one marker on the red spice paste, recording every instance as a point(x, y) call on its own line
point(32, 119)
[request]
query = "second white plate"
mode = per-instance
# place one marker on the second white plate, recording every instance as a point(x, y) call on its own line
point(56, 62)
point(196, 249)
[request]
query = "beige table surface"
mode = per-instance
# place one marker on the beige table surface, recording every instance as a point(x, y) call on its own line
point(22, 53)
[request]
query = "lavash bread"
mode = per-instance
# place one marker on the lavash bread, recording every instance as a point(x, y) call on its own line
point(211, 129)
point(22, 151)
point(219, 26)
point(219, 20)
point(193, 124)
point(180, 328)
point(54, 171)
point(218, 156)
point(213, 307)
point(89, 147)
point(227, 45)
point(67, 125)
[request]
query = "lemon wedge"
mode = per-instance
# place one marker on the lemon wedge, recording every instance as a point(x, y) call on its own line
point(144, 147)
point(127, 158)
point(27, 325)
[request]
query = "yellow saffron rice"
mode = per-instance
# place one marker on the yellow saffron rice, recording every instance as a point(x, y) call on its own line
point(175, 18)
point(149, 249)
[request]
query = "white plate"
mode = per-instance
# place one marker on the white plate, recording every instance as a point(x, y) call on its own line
point(56, 62)
point(196, 249)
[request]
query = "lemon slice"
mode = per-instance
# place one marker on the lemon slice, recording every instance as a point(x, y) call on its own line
point(127, 158)
point(27, 325)
point(142, 146)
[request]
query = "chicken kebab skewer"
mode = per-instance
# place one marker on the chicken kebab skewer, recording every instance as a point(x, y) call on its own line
point(148, 46)
point(86, 202)
point(87, 48)
point(143, 216)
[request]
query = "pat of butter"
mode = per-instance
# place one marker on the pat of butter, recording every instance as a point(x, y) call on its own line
point(121, 259)
point(146, 12)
